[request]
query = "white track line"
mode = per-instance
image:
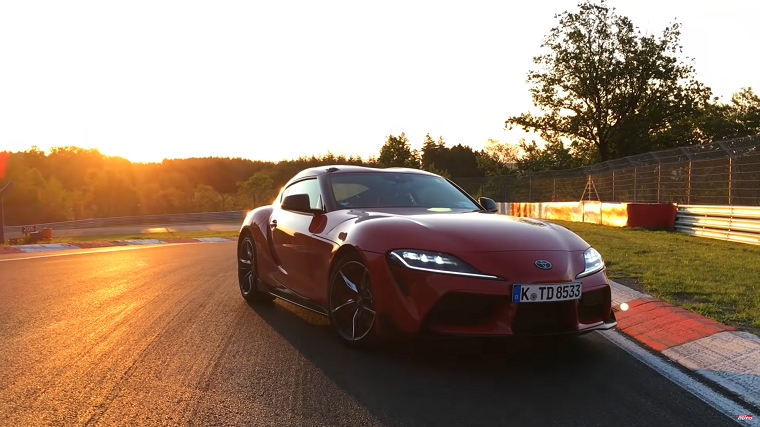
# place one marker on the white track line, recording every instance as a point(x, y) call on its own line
point(721, 403)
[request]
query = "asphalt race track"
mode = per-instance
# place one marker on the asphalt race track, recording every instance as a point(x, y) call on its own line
point(160, 336)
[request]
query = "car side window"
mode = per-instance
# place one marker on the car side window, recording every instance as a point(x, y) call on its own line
point(308, 186)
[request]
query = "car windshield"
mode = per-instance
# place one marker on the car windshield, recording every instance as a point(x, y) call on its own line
point(396, 190)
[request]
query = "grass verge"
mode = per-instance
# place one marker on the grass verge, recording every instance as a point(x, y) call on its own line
point(717, 279)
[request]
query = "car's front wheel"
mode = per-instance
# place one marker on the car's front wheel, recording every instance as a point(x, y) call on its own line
point(248, 273)
point(351, 302)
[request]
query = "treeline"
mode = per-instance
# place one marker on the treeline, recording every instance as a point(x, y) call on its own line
point(69, 183)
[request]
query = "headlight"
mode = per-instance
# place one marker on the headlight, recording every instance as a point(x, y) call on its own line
point(593, 261)
point(435, 262)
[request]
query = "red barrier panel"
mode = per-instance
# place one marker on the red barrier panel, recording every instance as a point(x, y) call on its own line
point(652, 215)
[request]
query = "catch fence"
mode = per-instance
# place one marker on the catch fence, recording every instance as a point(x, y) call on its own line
point(722, 172)
point(718, 173)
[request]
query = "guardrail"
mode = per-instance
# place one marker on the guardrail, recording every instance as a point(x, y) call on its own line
point(186, 218)
point(733, 223)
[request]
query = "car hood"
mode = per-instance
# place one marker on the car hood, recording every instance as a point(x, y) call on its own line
point(460, 231)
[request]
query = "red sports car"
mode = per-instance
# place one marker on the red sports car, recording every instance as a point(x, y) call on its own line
point(403, 251)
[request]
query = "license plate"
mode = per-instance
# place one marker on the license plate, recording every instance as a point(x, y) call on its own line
point(546, 292)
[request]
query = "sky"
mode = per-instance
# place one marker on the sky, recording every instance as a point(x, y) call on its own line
point(272, 80)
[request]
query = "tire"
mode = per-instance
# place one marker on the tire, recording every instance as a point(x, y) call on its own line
point(351, 302)
point(248, 271)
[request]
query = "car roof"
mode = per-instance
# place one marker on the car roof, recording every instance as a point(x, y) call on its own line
point(338, 169)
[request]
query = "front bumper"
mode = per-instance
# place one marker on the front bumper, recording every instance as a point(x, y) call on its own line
point(410, 302)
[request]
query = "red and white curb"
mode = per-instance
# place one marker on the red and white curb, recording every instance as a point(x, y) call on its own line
point(48, 247)
point(715, 351)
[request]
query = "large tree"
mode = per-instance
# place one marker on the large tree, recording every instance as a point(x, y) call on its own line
point(607, 87)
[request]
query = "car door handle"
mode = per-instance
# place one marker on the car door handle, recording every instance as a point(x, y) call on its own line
point(273, 224)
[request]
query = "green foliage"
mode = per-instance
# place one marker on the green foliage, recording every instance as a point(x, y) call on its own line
point(606, 86)
point(432, 151)
point(553, 156)
point(25, 191)
point(397, 152)
point(459, 160)
point(206, 199)
point(74, 183)
point(57, 201)
point(497, 158)
point(442, 172)
point(746, 110)
point(258, 190)
point(504, 153)
point(740, 117)
point(112, 193)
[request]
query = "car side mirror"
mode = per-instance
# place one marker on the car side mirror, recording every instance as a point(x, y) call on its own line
point(488, 204)
point(299, 203)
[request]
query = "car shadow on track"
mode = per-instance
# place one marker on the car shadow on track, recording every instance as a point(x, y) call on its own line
point(474, 382)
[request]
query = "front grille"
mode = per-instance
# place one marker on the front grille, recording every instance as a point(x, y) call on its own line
point(459, 309)
point(544, 317)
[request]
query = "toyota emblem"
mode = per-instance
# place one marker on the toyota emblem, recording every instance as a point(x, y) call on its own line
point(543, 264)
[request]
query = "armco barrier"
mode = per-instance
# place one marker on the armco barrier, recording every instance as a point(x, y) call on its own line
point(648, 215)
point(734, 223)
point(187, 218)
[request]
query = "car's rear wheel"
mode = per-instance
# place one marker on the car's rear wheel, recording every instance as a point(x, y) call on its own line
point(351, 302)
point(248, 272)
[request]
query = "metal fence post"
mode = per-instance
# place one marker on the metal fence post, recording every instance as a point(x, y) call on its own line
point(730, 178)
point(688, 186)
point(554, 189)
point(659, 181)
point(689, 166)
point(730, 170)
point(635, 183)
point(613, 186)
point(530, 189)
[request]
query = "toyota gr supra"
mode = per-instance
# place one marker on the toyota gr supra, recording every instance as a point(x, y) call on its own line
point(384, 252)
